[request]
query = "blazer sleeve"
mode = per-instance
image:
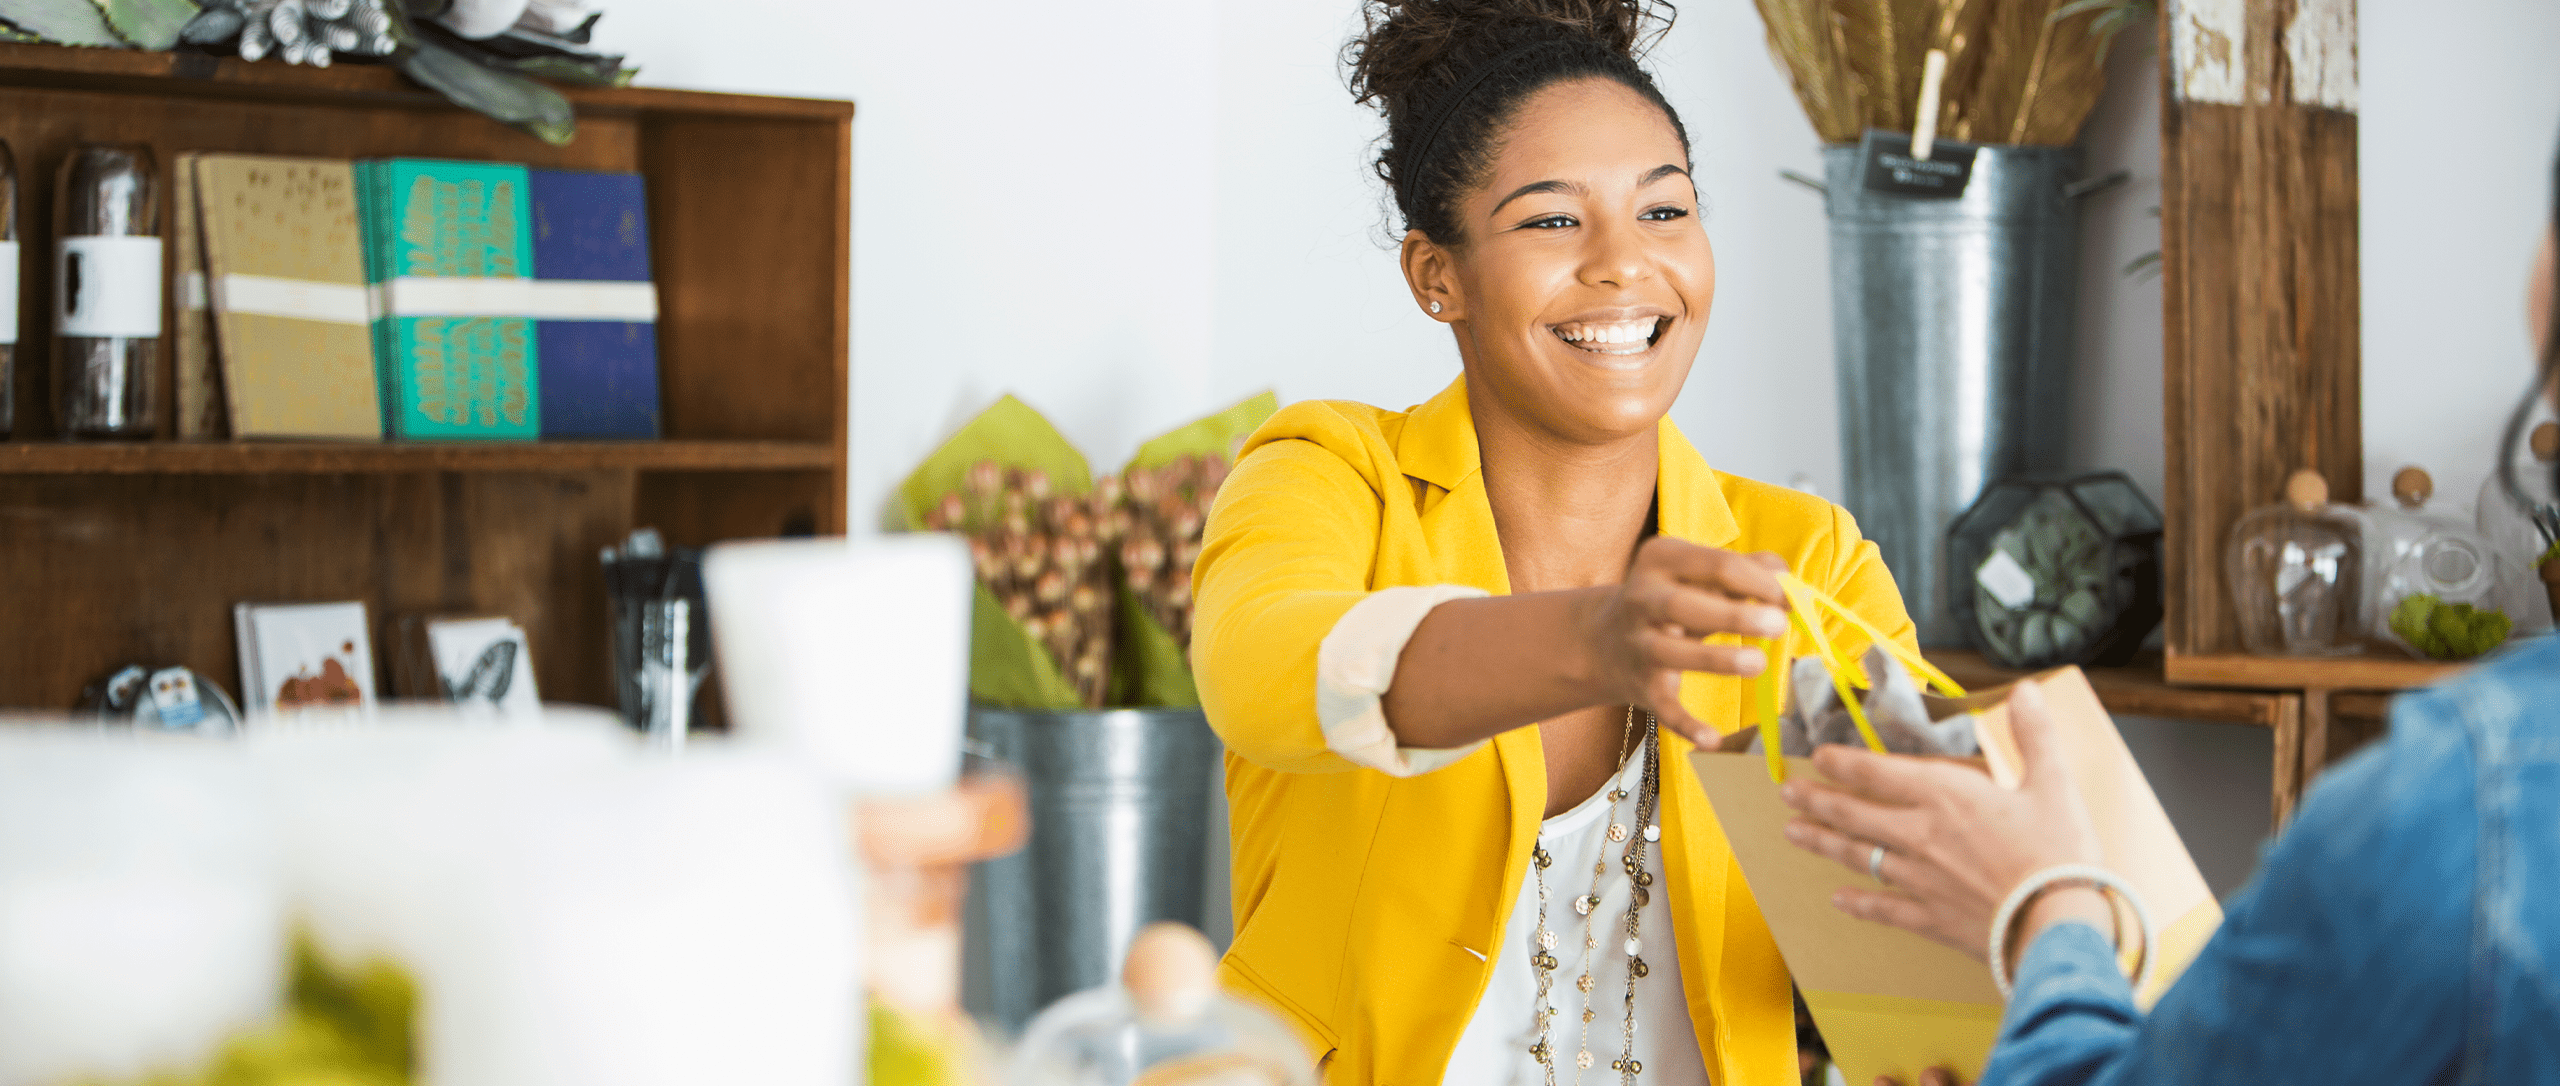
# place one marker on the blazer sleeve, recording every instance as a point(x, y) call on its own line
point(1287, 551)
point(1857, 577)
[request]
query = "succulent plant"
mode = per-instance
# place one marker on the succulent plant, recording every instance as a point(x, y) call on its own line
point(2449, 631)
point(312, 32)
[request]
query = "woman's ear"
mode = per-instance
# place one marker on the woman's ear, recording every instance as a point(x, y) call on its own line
point(1430, 271)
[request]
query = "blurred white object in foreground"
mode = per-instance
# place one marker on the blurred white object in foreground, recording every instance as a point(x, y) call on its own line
point(1164, 1024)
point(853, 657)
point(141, 916)
point(574, 909)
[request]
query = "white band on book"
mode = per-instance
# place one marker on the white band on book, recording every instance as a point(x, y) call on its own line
point(191, 291)
point(8, 292)
point(539, 299)
point(297, 299)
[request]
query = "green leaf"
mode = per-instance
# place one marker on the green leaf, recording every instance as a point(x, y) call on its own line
point(504, 96)
point(1212, 436)
point(2144, 268)
point(1151, 669)
point(1008, 432)
point(62, 22)
point(606, 72)
point(148, 24)
point(1007, 667)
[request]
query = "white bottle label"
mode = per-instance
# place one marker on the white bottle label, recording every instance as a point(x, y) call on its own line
point(107, 287)
point(8, 292)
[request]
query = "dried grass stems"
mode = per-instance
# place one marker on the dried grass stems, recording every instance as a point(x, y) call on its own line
point(2018, 71)
point(1055, 561)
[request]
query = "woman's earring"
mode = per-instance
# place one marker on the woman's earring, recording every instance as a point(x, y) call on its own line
point(1435, 307)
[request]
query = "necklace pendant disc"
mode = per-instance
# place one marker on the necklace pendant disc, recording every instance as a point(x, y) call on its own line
point(1582, 1059)
point(1653, 833)
point(1617, 831)
point(1546, 940)
point(1583, 982)
point(1584, 904)
point(1588, 1014)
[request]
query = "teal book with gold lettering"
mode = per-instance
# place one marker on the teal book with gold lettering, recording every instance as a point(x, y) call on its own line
point(450, 262)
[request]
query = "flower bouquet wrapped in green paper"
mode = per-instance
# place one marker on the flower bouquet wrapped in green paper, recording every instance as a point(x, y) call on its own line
point(1084, 583)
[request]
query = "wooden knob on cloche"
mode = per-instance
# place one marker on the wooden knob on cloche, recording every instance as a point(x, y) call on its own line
point(2546, 442)
point(2413, 486)
point(1171, 973)
point(2306, 490)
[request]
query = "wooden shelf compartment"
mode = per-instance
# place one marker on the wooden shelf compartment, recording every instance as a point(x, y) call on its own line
point(135, 552)
point(2137, 690)
point(2367, 672)
point(250, 458)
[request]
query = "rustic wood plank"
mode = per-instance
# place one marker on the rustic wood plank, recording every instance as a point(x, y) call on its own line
point(2262, 370)
point(2137, 690)
point(210, 77)
point(2372, 672)
point(2287, 785)
point(243, 458)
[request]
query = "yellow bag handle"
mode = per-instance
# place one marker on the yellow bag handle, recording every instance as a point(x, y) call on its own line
point(1806, 604)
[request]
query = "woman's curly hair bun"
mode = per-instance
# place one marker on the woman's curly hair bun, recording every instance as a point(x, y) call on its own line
point(1413, 57)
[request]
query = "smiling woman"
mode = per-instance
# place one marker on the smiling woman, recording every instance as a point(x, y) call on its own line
point(1457, 652)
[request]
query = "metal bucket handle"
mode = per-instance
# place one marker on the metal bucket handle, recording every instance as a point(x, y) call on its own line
point(2072, 191)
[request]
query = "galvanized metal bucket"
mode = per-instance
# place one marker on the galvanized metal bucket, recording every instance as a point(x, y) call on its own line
point(1952, 323)
point(1128, 827)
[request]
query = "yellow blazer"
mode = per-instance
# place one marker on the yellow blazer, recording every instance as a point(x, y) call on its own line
point(1366, 906)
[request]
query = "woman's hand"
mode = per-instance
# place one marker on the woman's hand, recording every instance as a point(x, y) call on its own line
point(1955, 842)
point(1649, 630)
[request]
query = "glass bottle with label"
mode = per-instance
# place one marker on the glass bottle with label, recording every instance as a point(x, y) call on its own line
point(107, 291)
point(2295, 568)
point(8, 289)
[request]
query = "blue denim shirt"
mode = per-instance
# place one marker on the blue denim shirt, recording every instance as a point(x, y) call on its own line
point(2405, 928)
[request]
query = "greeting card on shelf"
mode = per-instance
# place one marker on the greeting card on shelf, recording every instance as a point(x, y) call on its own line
point(477, 662)
point(304, 658)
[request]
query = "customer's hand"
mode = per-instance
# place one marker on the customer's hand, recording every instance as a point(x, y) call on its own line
point(1648, 631)
point(1935, 1076)
point(1955, 842)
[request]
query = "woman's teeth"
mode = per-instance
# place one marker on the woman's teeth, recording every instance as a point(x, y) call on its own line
point(1623, 337)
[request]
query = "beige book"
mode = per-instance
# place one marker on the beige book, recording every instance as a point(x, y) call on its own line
point(284, 262)
point(201, 413)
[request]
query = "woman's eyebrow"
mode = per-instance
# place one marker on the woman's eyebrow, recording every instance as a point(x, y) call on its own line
point(1667, 169)
point(1568, 188)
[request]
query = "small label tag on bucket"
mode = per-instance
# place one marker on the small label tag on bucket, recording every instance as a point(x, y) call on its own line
point(1885, 159)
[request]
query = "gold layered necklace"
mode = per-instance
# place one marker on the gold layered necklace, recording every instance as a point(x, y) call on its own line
point(1636, 838)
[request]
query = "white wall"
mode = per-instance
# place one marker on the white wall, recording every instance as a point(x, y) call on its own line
point(2460, 107)
point(1131, 214)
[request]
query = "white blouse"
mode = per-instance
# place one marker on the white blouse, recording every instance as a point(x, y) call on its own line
point(1354, 667)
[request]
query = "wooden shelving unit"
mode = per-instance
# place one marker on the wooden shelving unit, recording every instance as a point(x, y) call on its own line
point(135, 552)
point(2139, 690)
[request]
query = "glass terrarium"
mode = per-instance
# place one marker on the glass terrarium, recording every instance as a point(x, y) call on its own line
point(2295, 569)
point(2434, 587)
point(2508, 526)
point(1164, 1023)
point(2056, 571)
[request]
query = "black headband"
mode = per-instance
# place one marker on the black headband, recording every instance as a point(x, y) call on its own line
point(1410, 157)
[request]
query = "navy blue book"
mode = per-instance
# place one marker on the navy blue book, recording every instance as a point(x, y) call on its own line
point(595, 310)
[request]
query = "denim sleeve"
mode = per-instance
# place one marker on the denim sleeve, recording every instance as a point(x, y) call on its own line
point(2341, 962)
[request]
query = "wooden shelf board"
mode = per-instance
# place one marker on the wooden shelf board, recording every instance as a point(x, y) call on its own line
point(2372, 672)
point(2135, 690)
point(132, 70)
point(249, 458)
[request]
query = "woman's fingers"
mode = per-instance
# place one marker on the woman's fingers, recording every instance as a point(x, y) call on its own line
point(1686, 654)
point(1849, 814)
point(1663, 698)
point(1899, 781)
point(1700, 613)
point(1746, 577)
point(2038, 746)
